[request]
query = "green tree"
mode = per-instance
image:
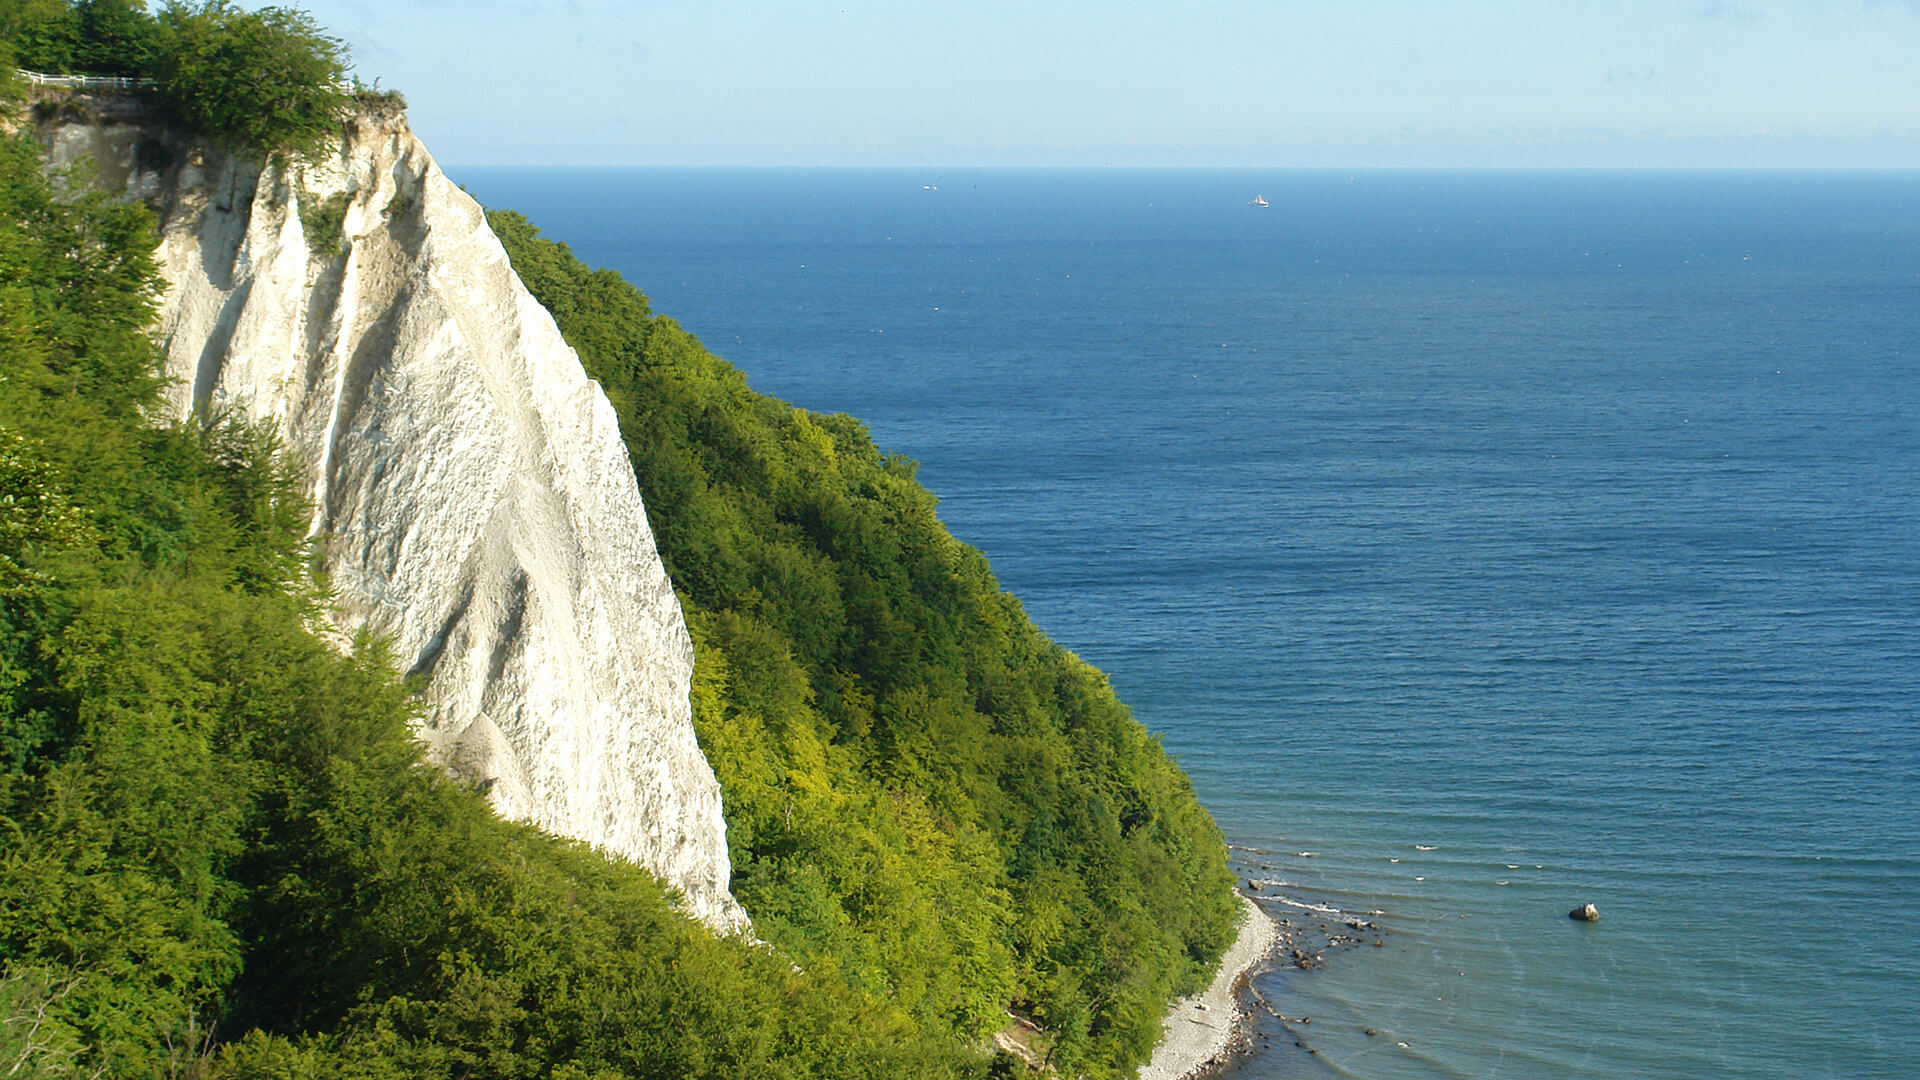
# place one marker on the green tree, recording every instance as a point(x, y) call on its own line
point(43, 35)
point(115, 37)
point(262, 81)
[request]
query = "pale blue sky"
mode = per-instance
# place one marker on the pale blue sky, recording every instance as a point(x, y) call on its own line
point(1815, 83)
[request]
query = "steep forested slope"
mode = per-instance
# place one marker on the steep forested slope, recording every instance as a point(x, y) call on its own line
point(219, 855)
point(922, 792)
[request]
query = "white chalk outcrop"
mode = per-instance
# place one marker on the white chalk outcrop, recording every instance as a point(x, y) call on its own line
point(474, 500)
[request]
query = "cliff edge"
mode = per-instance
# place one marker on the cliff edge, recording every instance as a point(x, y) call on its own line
point(472, 497)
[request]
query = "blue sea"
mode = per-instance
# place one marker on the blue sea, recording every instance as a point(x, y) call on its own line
point(1482, 543)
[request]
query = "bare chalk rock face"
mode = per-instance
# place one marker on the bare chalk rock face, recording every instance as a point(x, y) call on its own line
point(472, 495)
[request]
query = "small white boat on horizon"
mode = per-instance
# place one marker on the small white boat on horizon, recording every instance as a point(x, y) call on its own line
point(1258, 200)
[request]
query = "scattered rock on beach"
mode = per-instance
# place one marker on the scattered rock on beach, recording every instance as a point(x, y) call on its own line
point(1585, 913)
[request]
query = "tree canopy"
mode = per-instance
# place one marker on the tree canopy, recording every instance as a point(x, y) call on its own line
point(219, 854)
point(263, 80)
point(922, 792)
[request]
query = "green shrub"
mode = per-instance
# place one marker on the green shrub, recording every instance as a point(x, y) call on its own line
point(115, 37)
point(261, 80)
point(93, 37)
point(374, 98)
point(44, 35)
point(323, 220)
point(34, 1043)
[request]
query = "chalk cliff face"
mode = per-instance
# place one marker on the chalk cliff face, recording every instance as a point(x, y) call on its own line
point(472, 496)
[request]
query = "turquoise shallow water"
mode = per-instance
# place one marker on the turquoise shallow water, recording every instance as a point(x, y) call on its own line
point(1504, 541)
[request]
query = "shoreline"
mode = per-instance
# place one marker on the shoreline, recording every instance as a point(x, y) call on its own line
point(1205, 1030)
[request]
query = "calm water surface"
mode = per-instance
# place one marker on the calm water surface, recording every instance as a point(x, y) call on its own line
point(1482, 544)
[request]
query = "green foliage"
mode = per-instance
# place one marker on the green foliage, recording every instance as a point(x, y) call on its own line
point(43, 35)
point(258, 80)
point(96, 37)
point(35, 516)
point(374, 98)
point(34, 1043)
point(322, 220)
point(922, 792)
point(262, 81)
point(219, 853)
point(76, 292)
point(115, 37)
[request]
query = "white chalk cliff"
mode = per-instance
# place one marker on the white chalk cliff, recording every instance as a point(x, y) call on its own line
point(474, 501)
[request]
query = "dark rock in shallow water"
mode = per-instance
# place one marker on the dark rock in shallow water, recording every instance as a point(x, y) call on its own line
point(1585, 913)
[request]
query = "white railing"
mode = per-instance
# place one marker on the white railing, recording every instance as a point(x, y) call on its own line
point(118, 82)
point(84, 82)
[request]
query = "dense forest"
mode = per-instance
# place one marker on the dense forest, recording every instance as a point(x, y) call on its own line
point(220, 855)
point(920, 788)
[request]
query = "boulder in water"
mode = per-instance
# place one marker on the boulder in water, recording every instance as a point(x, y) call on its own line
point(1585, 913)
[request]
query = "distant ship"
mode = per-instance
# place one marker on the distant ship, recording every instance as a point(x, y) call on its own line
point(1258, 200)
